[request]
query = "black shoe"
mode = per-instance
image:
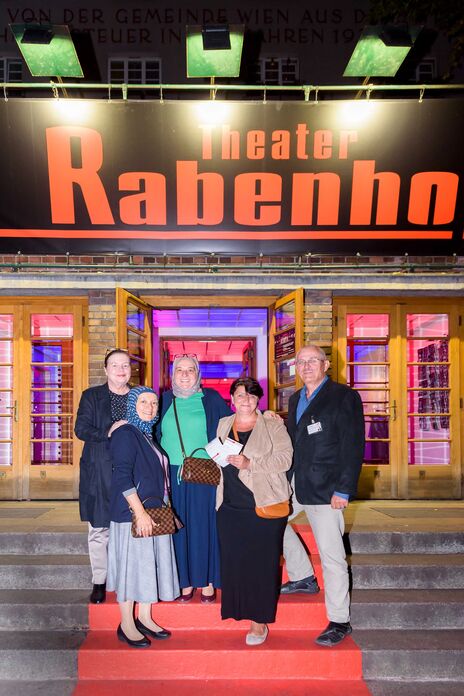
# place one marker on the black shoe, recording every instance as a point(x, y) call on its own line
point(307, 585)
point(141, 643)
point(98, 595)
point(148, 632)
point(334, 634)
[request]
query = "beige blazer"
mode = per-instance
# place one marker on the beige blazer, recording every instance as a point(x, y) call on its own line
point(270, 451)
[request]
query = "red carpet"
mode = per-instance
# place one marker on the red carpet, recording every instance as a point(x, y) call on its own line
point(208, 656)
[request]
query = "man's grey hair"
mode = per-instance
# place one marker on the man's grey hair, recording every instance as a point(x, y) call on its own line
point(318, 349)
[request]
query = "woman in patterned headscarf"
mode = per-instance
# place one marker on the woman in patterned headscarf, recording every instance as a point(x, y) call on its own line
point(143, 569)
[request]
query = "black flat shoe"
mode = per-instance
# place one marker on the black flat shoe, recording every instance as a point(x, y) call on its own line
point(141, 643)
point(98, 595)
point(159, 635)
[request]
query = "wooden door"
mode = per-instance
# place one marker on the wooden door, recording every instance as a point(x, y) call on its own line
point(286, 336)
point(404, 359)
point(134, 332)
point(42, 379)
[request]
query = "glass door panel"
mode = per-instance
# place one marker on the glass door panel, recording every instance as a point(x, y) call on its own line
point(7, 408)
point(430, 417)
point(365, 360)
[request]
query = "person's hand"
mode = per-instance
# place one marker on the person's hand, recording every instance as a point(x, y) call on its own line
point(338, 503)
point(115, 426)
point(239, 461)
point(272, 414)
point(143, 524)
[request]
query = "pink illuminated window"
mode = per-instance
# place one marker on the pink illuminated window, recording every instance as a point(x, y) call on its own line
point(428, 389)
point(367, 365)
point(6, 389)
point(52, 371)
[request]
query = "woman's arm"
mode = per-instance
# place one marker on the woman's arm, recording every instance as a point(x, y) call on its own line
point(85, 427)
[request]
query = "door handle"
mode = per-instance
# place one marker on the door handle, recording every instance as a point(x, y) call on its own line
point(14, 410)
point(393, 410)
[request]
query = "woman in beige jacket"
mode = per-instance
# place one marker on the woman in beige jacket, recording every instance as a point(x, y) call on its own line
point(251, 545)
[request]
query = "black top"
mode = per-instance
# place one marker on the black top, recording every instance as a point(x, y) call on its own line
point(236, 494)
point(118, 406)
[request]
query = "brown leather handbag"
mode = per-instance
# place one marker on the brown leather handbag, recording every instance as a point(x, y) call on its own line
point(164, 520)
point(196, 469)
point(275, 511)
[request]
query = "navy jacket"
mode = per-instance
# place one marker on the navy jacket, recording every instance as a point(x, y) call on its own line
point(329, 460)
point(213, 403)
point(92, 425)
point(135, 465)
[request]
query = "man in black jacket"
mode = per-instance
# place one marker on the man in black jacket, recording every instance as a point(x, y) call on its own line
point(326, 424)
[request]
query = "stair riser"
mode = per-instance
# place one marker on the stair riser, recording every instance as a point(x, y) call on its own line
point(414, 665)
point(311, 616)
point(44, 543)
point(48, 577)
point(413, 542)
point(407, 616)
point(36, 617)
point(258, 663)
point(38, 665)
point(407, 577)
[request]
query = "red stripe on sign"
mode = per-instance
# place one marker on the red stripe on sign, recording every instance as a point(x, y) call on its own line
point(228, 234)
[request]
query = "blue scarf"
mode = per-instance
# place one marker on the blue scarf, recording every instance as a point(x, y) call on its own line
point(131, 414)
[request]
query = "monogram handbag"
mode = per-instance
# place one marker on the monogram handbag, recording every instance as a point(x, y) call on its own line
point(164, 520)
point(196, 469)
point(272, 512)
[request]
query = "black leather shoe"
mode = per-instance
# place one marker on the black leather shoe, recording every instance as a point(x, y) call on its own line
point(306, 585)
point(141, 643)
point(334, 634)
point(98, 595)
point(148, 632)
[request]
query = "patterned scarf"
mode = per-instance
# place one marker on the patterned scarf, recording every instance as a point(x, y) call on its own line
point(131, 414)
point(179, 391)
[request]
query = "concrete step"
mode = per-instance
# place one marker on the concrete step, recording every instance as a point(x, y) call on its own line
point(50, 687)
point(419, 688)
point(407, 609)
point(40, 610)
point(69, 543)
point(39, 655)
point(44, 572)
point(420, 655)
point(405, 542)
point(407, 571)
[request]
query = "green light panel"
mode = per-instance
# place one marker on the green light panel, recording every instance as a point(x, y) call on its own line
point(56, 59)
point(220, 63)
point(371, 57)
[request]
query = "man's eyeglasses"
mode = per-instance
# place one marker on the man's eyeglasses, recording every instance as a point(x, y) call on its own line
point(309, 361)
point(185, 355)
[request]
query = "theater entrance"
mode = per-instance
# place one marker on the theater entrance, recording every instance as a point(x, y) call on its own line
point(231, 336)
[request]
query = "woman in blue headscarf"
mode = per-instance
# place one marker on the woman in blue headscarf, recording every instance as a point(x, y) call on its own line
point(143, 569)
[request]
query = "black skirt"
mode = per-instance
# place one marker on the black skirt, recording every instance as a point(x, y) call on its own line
point(250, 550)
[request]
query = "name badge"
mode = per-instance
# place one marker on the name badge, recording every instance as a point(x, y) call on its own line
point(314, 428)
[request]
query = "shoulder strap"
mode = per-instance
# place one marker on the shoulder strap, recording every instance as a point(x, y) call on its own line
point(178, 426)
